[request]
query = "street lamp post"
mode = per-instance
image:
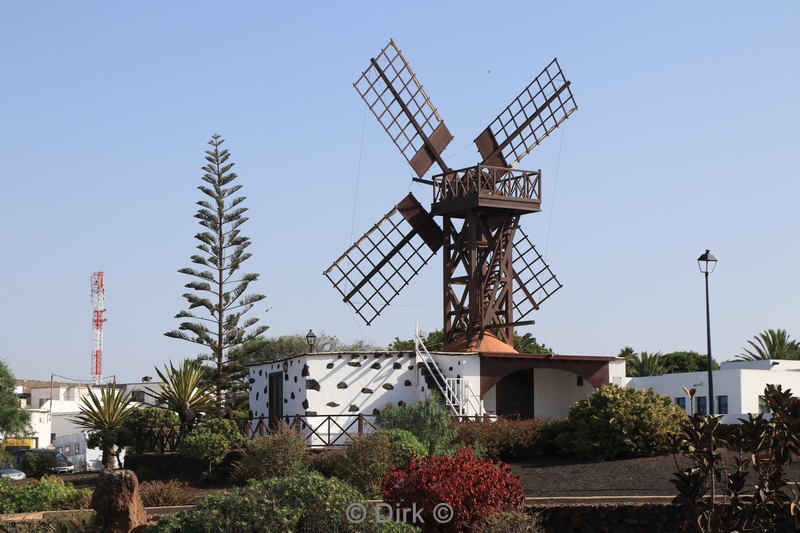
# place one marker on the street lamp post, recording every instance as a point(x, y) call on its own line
point(707, 262)
point(311, 339)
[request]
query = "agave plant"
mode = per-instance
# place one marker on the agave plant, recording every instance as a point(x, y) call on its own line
point(186, 384)
point(104, 414)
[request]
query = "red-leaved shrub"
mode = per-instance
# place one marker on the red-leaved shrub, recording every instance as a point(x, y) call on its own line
point(473, 489)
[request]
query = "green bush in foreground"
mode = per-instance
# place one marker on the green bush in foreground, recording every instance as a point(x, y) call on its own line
point(59, 521)
point(306, 502)
point(211, 441)
point(282, 453)
point(619, 422)
point(49, 494)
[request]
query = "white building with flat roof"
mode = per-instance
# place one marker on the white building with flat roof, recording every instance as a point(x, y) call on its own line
point(738, 386)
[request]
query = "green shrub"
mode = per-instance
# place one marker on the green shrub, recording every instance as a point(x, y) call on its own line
point(429, 421)
point(50, 493)
point(506, 439)
point(211, 441)
point(619, 422)
point(38, 464)
point(364, 461)
point(60, 521)
point(473, 489)
point(305, 502)
point(160, 494)
point(282, 453)
point(146, 474)
point(404, 445)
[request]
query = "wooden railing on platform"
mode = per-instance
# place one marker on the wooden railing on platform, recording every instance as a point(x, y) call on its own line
point(318, 430)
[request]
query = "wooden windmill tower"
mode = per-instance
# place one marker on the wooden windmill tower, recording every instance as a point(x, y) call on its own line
point(493, 277)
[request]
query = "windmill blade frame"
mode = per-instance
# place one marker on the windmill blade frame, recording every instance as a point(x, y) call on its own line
point(373, 271)
point(394, 95)
point(538, 110)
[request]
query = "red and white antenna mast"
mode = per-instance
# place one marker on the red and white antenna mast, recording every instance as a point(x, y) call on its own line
point(98, 303)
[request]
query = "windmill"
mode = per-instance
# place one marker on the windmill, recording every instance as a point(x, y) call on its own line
point(493, 277)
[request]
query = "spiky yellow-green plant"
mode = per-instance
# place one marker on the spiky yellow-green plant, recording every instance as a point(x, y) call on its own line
point(186, 384)
point(104, 414)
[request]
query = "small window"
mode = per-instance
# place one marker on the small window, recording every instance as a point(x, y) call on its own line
point(722, 405)
point(77, 449)
point(763, 408)
point(702, 406)
point(66, 449)
point(42, 401)
point(138, 396)
point(580, 381)
point(681, 402)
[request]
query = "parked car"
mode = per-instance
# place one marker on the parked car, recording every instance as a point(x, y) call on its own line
point(62, 464)
point(7, 471)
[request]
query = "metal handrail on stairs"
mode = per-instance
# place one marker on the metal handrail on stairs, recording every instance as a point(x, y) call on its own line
point(441, 382)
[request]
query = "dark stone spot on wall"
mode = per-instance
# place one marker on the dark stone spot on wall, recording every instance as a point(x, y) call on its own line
point(397, 366)
point(388, 386)
point(341, 385)
point(376, 366)
point(285, 377)
point(332, 404)
point(265, 388)
point(256, 396)
point(352, 408)
point(311, 413)
point(407, 383)
point(451, 369)
point(329, 366)
point(305, 373)
point(252, 380)
point(365, 390)
point(411, 367)
point(312, 384)
point(376, 411)
point(401, 403)
point(292, 396)
point(260, 370)
point(354, 363)
point(305, 404)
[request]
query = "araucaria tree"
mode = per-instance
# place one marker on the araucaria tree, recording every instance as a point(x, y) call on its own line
point(219, 290)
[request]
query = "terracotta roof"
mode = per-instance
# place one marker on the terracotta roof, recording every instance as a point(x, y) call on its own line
point(490, 344)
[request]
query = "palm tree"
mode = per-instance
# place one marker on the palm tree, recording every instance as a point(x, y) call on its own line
point(644, 364)
point(104, 415)
point(771, 344)
point(186, 384)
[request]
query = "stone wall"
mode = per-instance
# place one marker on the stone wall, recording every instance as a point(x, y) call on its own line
point(619, 518)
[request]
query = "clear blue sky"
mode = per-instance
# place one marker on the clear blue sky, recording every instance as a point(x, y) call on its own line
point(686, 138)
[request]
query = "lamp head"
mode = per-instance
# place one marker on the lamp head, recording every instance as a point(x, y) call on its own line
point(707, 262)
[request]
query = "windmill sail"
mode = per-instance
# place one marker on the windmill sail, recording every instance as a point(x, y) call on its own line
point(376, 268)
point(539, 109)
point(392, 92)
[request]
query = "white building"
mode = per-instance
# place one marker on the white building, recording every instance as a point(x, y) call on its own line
point(331, 393)
point(738, 386)
point(54, 406)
